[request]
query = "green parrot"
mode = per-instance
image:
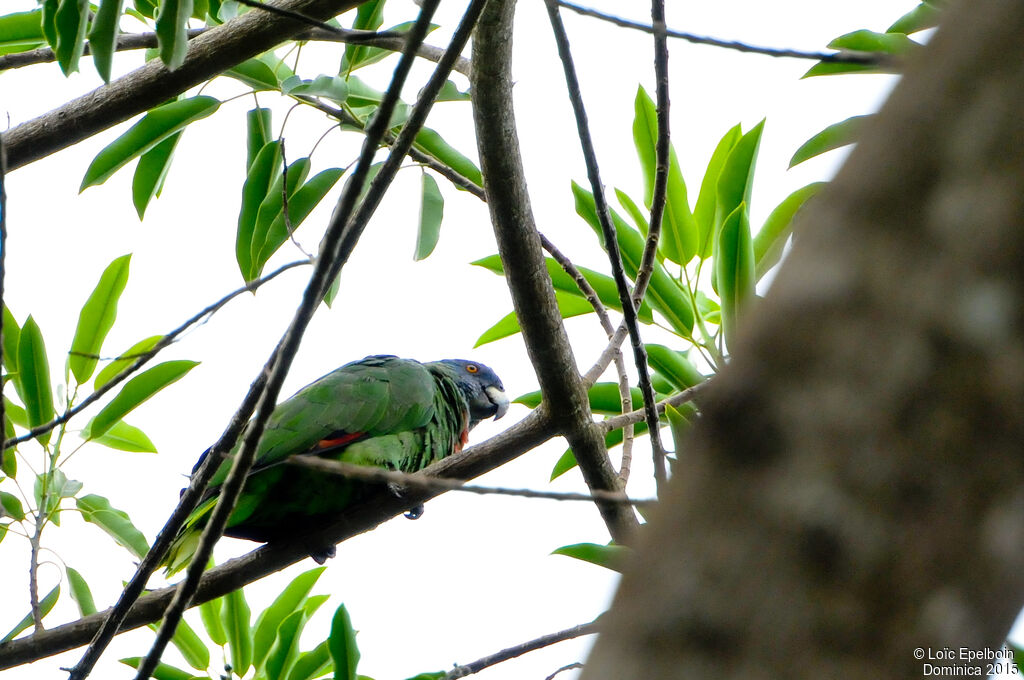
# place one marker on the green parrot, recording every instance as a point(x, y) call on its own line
point(394, 413)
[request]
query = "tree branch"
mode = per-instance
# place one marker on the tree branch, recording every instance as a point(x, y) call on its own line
point(523, 262)
point(378, 507)
point(211, 53)
point(520, 649)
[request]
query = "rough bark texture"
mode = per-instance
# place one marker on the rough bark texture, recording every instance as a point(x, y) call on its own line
point(855, 490)
point(523, 260)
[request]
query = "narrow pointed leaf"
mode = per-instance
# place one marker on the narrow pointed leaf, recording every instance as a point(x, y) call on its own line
point(707, 199)
point(771, 238)
point(116, 523)
point(566, 462)
point(257, 133)
point(209, 612)
point(290, 600)
point(734, 264)
point(16, 414)
point(835, 136)
point(124, 360)
point(172, 31)
point(262, 173)
point(33, 377)
point(431, 213)
point(680, 426)
point(430, 142)
point(12, 332)
point(236, 616)
point(80, 592)
point(97, 318)
point(342, 645)
point(568, 306)
point(300, 204)
point(922, 17)
point(735, 183)
point(21, 31)
point(674, 366)
point(312, 664)
point(12, 506)
point(192, 648)
point(679, 238)
point(369, 17)
point(154, 127)
point(608, 556)
point(635, 214)
point(103, 36)
point(125, 437)
point(271, 208)
point(136, 391)
point(49, 22)
point(150, 173)
point(864, 41)
point(286, 646)
point(70, 22)
point(45, 605)
point(163, 671)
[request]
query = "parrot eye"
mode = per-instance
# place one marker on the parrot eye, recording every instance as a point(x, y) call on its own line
point(472, 368)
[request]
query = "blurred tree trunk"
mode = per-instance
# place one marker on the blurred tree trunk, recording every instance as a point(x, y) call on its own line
point(855, 490)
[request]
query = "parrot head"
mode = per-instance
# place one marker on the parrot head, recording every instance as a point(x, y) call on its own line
point(482, 388)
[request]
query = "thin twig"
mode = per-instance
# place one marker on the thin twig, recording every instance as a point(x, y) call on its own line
point(366, 473)
point(334, 252)
point(190, 497)
point(629, 307)
point(165, 341)
point(3, 276)
point(519, 650)
point(566, 667)
point(677, 399)
point(866, 58)
point(658, 199)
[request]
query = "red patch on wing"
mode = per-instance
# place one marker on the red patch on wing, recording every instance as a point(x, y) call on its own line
point(340, 440)
point(463, 440)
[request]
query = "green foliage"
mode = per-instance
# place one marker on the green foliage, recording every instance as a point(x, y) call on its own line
point(33, 378)
point(172, 31)
point(609, 556)
point(103, 36)
point(835, 136)
point(431, 213)
point(45, 605)
point(115, 523)
point(97, 318)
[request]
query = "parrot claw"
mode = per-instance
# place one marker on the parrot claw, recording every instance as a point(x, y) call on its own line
point(321, 555)
point(416, 512)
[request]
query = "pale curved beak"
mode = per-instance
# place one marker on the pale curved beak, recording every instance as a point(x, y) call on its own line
point(499, 399)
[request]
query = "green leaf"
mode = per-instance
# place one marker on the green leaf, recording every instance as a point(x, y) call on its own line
point(430, 142)
point(209, 612)
point(431, 213)
point(342, 645)
point(172, 31)
point(300, 204)
point(864, 41)
point(136, 391)
point(312, 664)
point(154, 127)
point(12, 507)
point(674, 366)
point(151, 172)
point(260, 75)
point(97, 318)
point(116, 523)
point(146, 8)
point(369, 17)
point(70, 21)
point(163, 671)
point(235, 616)
point(707, 199)
point(257, 127)
point(80, 592)
point(608, 556)
point(49, 22)
point(271, 208)
point(33, 380)
point(286, 646)
point(771, 238)
point(450, 92)
point(922, 17)
point(735, 183)
point(11, 333)
point(566, 462)
point(679, 231)
point(436, 675)
point(734, 264)
point(103, 36)
point(261, 176)
point(568, 307)
point(602, 284)
point(192, 648)
point(290, 600)
point(45, 605)
point(21, 31)
point(635, 214)
point(125, 437)
point(124, 360)
point(679, 424)
point(328, 87)
point(835, 136)
point(664, 294)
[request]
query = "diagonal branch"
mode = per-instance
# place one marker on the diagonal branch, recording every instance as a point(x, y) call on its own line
point(523, 262)
point(520, 649)
point(629, 315)
point(379, 507)
point(209, 54)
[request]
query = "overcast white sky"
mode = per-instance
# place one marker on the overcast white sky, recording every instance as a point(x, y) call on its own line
point(474, 575)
